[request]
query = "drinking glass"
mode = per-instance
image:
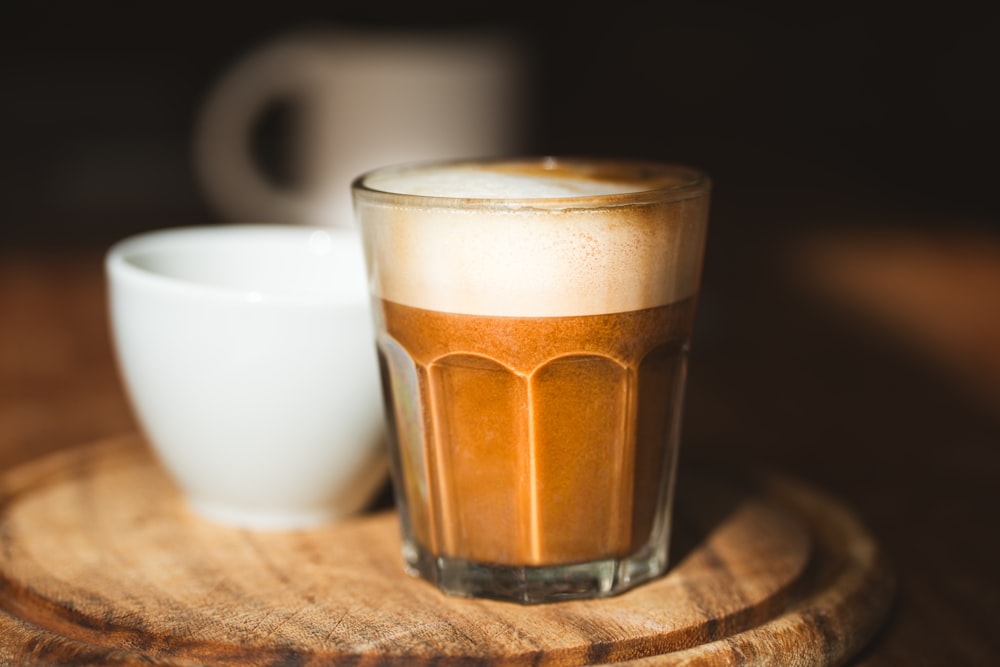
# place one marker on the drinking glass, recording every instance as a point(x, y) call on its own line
point(533, 319)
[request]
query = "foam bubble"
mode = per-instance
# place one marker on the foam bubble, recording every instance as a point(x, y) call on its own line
point(530, 261)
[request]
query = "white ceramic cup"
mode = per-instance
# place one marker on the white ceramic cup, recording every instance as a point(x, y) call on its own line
point(248, 354)
point(362, 97)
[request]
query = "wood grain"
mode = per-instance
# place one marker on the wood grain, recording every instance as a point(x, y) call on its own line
point(100, 562)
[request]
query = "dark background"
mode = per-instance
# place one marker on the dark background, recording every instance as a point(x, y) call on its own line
point(893, 106)
point(810, 117)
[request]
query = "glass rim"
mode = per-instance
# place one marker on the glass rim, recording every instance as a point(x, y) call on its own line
point(669, 182)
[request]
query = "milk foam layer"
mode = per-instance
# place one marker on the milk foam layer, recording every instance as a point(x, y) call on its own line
point(546, 258)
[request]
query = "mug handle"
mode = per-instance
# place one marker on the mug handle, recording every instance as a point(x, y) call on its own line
point(225, 167)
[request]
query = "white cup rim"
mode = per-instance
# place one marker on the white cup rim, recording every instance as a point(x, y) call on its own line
point(120, 264)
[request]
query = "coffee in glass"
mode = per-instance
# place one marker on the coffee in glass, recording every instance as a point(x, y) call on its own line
point(533, 318)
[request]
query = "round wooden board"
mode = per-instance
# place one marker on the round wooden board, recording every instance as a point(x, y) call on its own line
point(101, 563)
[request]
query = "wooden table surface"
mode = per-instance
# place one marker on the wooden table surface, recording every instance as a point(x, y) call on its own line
point(865, 364)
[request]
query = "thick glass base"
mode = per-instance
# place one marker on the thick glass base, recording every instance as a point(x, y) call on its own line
point(536, 584)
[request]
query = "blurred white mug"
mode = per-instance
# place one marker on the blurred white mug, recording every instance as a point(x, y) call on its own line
point(365, 97)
